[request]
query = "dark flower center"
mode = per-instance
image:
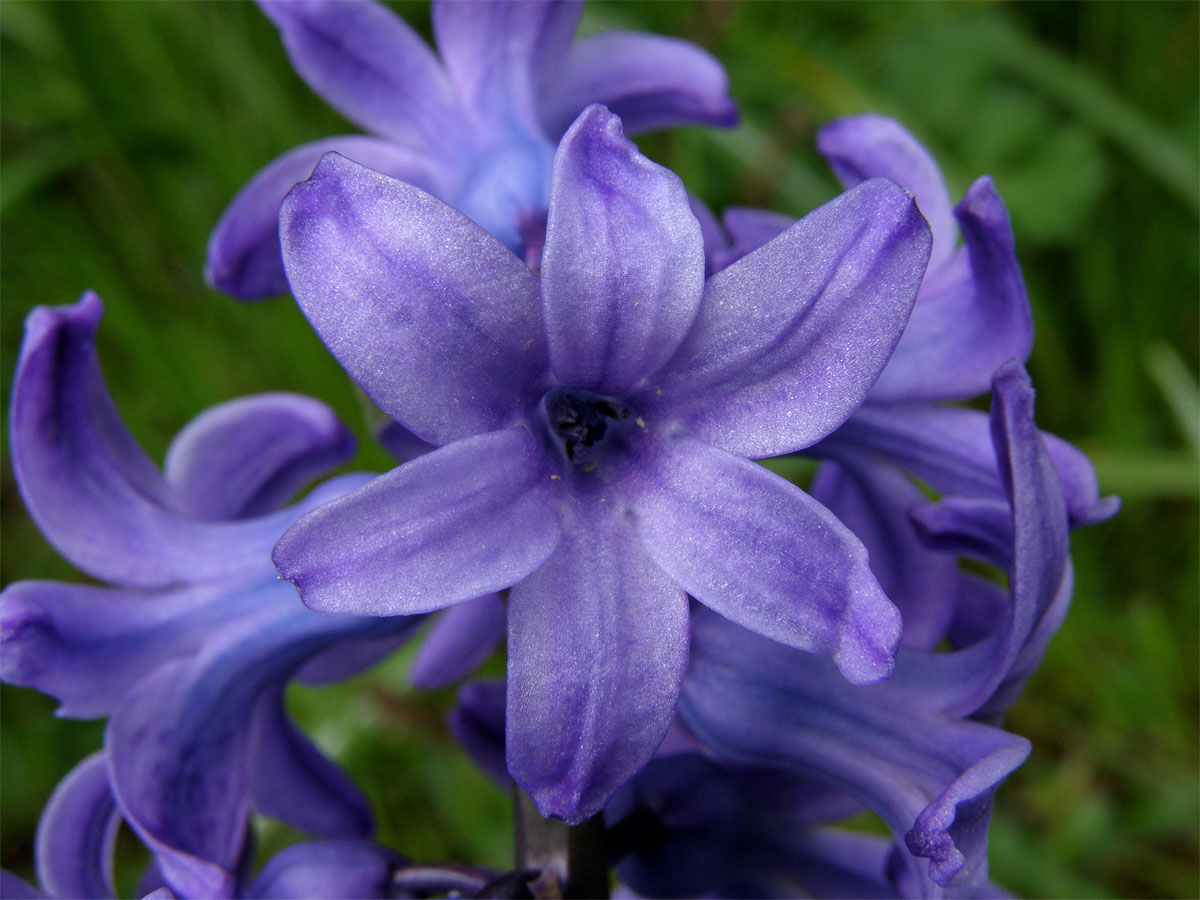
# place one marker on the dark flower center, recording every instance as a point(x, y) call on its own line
point(583, 422)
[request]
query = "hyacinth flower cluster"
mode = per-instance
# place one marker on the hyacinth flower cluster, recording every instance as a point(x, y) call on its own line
point(708, 667)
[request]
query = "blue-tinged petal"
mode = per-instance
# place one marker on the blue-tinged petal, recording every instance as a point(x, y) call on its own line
point(873, 500)
point(86, 646)
point(248, 456)
point(711, 233)
point(475, 516)
point(761, 552)
point(623, 267)
point(789, 339)
point(342, 661)
point(649, 81)
point(436, 320)
point(951, 449)
point(929, 776)
point(182, 745)
point(461, 640)
point(76, 834)
point(477, 721)
point(749, 229)
point(327, 870)
point(243, 251)
point(972, 314)
point(370, 66)
point(15, 888)
point(400, 442)
point(87, 484)
point(872, 146)
point(290, 779)
point(501, 56)
point(597, 645)
point(975, 526)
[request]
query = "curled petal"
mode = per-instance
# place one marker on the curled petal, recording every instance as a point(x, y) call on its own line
point(248, 456)
point(972, 315)
point(461, 639)
point(789, 339)
point(872, 146)
point(243, 251)
point(500, 56)
point(327, 870)
point(370, 66)
point(649, 81)
point(761, 552)
point(623, 267)
point(77, 832)
point(384, 272)
point(475, 516)
point(597, 645)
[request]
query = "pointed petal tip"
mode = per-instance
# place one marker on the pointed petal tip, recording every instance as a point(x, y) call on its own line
point(866, 651)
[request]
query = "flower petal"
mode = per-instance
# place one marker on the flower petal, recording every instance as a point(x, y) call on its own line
point(88, 485)
point(872, 146)
point(243, 251)
point(649, 81)
point(873, 500)
point(477, 721)
point(500, 55)
point(623, 267)
point(76, 834)
point(248, 456)
point(597, 645)
point(972, 315)
point(475, 516)
point(14, 888)
point(291, 779)
point(761, 552)
point(930, 776)
point(749, 229)
point(789, 339)
point(181, 747)
point(367, 63)
point(428, 312)
point(461, 640)
point(327, 870)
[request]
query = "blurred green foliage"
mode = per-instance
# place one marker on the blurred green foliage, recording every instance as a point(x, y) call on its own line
point(127, 127)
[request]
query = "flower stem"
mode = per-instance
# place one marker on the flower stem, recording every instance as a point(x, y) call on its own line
point(571, 858)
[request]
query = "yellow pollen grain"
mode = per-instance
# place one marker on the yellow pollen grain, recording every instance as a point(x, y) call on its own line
point(590, 467)
point(556, 478)
point(658, 391)
point(641, 421)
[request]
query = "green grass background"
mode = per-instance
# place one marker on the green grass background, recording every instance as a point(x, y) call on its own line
point(127, 126)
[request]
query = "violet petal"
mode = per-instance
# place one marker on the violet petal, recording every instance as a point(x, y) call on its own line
point(623, 267)
point(597, 645)
point(327, 870)
point(475, 516)
point(76, 834)
point(461, 639)
point(763, 553)
point(385, 272)
point(789, 339)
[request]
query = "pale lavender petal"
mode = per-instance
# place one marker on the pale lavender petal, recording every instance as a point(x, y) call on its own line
point(870, 146)
point(428, 312)
point(291, 779)
point(248, 456)
point(789, 339)
point(873, 500)
point(501, 55)
point(649, 81)
point(372, 67)
point(623, 267)
point(461, 640)
point(477, 721)
point(327, 870)
point(91, 489)
point(929, 776)
point(972, 315)
point(597, 645)
point(951, 449)
point(475, 516)
point(243, 251)
point(761, 552)
point(77, 832)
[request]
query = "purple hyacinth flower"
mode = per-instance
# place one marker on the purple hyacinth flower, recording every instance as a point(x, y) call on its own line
point(593, 427)
point(911, 748)
point(475, 124)
point(190, 646)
